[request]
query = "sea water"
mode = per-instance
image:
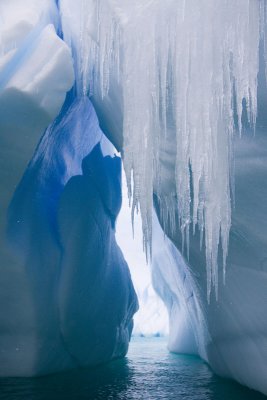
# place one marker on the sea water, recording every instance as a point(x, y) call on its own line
point(148, 372)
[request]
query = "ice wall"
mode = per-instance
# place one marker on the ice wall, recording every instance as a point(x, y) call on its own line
point(66, 294)
point(231, 334)
point(175, 283)
point(35, 73)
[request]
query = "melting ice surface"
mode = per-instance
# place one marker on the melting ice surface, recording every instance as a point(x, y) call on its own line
point(174, 84)
point(182, 89)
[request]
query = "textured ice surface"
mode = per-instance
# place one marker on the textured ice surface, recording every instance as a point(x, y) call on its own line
point(170, 82)
point(35, 73)
point(66, 287)
point(179, 80)
point(175, 283)
point(231, 333)
point(65, 290)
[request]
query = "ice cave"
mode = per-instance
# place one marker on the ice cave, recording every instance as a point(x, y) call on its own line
point(133, 202)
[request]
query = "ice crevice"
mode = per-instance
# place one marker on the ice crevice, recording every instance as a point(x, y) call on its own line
point(192, 79)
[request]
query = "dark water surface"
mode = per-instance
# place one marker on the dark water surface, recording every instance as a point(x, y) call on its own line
point(148, 372)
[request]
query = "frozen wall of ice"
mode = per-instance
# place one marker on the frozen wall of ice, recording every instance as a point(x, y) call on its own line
point(35, 73)
point(65, 290)
point(232, 331)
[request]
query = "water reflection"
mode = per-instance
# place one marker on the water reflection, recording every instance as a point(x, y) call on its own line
point(103, 382)
point(149, 372)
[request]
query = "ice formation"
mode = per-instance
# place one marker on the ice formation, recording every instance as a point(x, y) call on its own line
point(170, 83)
point(196, 74)
point(231, 333)
point(66, 294)
point(176, 285)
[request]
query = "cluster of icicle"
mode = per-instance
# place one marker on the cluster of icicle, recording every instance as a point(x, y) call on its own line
point(184, 65)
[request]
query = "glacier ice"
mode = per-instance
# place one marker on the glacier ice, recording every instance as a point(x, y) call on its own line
point(230, 334)
point(76, 299)
point(66, 294)
point(174, 85)
point(178, 80)
point(175, 284)
point(179, 88)
point(35, 73)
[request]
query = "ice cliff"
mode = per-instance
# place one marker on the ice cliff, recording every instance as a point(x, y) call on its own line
point(179, 88)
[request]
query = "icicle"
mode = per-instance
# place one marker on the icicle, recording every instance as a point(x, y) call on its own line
point(185, 69)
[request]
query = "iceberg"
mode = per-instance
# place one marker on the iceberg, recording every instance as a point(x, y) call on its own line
point(179, 88)
point(66, 293)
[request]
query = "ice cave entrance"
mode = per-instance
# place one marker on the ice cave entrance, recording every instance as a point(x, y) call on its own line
point(151, 318)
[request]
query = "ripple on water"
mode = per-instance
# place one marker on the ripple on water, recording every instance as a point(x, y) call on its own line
point(148, 372)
